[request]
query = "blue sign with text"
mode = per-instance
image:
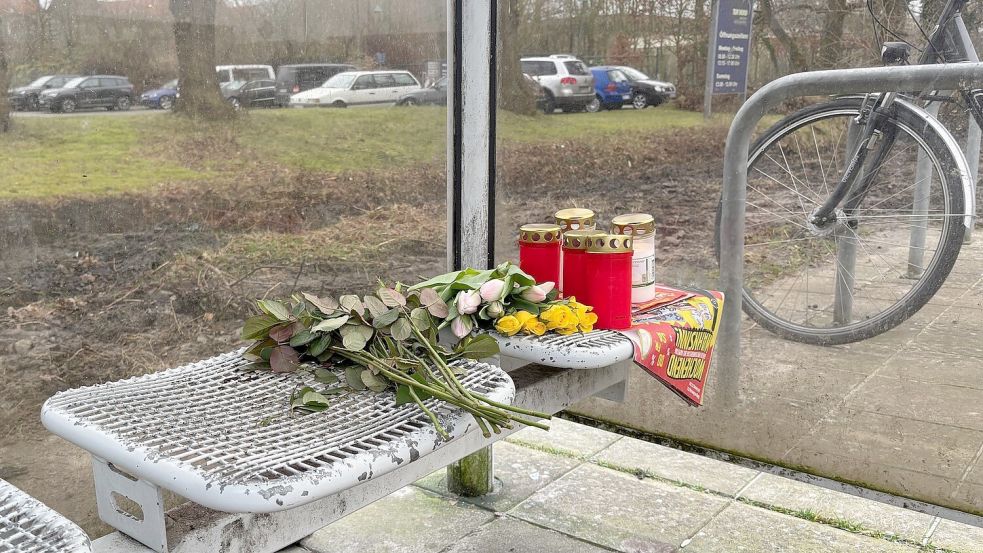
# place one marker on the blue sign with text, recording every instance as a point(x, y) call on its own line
point(731, 46)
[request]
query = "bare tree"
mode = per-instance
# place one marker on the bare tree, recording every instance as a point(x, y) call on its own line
point(513, 94)
point(796, 58)
point(4, 85)
point(194, 39)
point(831, 37)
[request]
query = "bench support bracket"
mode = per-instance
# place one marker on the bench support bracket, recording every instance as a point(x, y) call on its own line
point(112, 485)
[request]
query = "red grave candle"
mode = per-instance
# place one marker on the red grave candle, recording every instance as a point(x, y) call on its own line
point(607, 274)
point(573, 273)
point(539, 251)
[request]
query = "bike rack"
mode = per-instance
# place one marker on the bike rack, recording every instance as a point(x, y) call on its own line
point(838, 81)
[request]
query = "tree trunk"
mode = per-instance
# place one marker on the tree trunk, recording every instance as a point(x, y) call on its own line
point(796, 59)
point(194, 39)
point(831, 39)
point(4, 85)
point(513, 93)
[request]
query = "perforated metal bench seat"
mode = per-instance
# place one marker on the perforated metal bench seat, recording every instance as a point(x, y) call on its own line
point(593, 350)
point(29, 526)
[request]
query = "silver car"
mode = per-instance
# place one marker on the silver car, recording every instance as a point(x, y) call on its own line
point(566, 81)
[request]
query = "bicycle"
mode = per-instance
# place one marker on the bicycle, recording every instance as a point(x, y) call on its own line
point(877, 222)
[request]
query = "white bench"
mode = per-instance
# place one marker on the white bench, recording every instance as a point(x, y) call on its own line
point(29, 526)
point(259, 480)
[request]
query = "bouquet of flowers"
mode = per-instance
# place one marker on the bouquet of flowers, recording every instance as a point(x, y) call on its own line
point(507, 300)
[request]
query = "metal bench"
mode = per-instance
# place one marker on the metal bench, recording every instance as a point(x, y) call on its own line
point(218, 435)
point(29, 526)
point(595, 350)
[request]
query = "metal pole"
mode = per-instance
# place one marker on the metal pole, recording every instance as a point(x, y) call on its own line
point(711, 54)
point(471, 45)
point(733, 197)
point(846, 248)
point(924, 175)
point(972, 151)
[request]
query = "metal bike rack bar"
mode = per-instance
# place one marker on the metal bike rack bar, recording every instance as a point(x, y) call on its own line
point(837, 81)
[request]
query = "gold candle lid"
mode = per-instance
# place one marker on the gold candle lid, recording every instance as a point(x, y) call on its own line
point(539, 233)
point(575, 218)
point(577, 239)
point(633, 224)
point(609, 243)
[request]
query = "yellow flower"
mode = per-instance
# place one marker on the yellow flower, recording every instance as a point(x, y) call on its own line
point(508, 325)
point(523, 316)
point(589, 319)
point(534, 326)
point(557, 316)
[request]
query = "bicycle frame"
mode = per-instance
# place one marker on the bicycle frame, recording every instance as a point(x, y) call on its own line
point(949, 42)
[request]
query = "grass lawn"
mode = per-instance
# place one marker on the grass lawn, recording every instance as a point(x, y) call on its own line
point(87, 156)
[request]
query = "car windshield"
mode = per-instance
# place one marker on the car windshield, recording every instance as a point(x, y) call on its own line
point(249, 74)
point(341, 80)
point(170, 84)
point(40, 81)
point(634, 74)
point(74, 83)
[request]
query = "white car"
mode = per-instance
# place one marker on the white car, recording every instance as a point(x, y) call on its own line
point(354, 88)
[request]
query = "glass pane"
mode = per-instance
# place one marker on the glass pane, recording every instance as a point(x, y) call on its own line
point(139, 229)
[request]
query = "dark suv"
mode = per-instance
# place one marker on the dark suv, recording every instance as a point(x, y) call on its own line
point(26, 97)
point(291, 79)
point(96, 91)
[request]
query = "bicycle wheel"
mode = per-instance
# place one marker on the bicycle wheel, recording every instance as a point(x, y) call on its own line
point(802, 282)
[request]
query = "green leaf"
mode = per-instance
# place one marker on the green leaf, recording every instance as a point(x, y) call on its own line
point(440, 280)
point(354, 341)
point(386, 319)
point(309, 400)
point(475, 280)
point(323, 358)
point(327, 325)
point(257, 327)
point(325, 305)
point(256, 366)
point(391, 297)
point(375, 306)
point(403, 391)
point(282, 332)
point(373, 382)
point(267, 352)
point(284, 359)
point(420, 318)
point(319, 346)
point(254, 350)
point(303, 337)
point(274, 308)
point(480, 346)
point(401, 330)
point(524, 305)
point(324, 376)
point(352, 304)
point(353, 378)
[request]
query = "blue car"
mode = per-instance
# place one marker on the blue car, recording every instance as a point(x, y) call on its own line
point(612, 88)
point(160, 98)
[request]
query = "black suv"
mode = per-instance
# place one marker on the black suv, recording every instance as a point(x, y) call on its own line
point(95, 91)
point(26, 97)
point(291, 79)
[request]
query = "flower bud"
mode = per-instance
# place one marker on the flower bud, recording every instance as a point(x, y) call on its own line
point(467, 301)
point(492, 290)
point(537, 293)
point(495, 309)
point(462, 326)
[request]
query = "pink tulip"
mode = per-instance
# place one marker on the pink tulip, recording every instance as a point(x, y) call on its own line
point(493, 290)
point(537, 293)
point(468, 301)
point(495, 309)
point(462, 326)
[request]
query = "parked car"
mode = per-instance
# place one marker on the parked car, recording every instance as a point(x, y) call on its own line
point(243, 73)
point(97, 91)
point(647, 91)
point(566, 81)
point(253, 94)
point(434, 95)
point(612, 88)
point(291, 79)
point(26, 97)
point(358, 88)
point(160, 98)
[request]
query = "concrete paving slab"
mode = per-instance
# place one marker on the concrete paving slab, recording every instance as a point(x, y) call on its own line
point(798, 496)
point(941, 337)
point(878, 442)
point(942, 404)
point(408, 521)
point(935, 367)
point(566, 437)
point(619, 511)
point(508, 535)
point(519, 473)
point(679, 466)
point(745, 528)
point(958, 537)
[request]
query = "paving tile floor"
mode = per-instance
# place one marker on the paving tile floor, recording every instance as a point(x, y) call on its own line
point(580, 489)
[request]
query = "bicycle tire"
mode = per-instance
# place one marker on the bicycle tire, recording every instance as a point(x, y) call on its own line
point(948, 173)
